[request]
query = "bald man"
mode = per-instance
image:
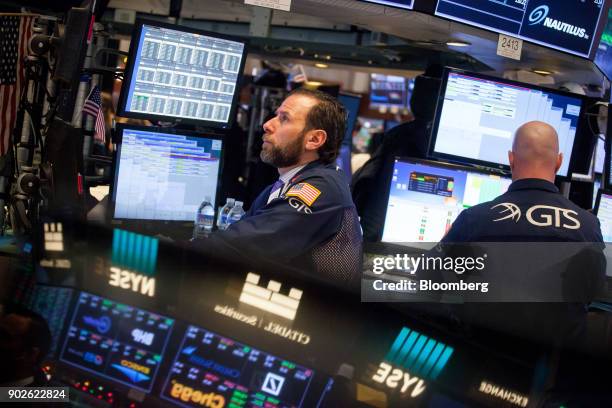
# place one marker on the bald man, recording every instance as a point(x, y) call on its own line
point(532, 209)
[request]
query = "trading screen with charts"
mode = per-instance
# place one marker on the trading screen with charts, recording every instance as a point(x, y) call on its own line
point(162, 176)
point(232, 374)
point(116, 341)
point(479, 117)
point(183, 74)
point(425, 199)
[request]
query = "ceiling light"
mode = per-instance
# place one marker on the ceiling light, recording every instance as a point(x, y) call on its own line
point(542, 72)
point(457, 43)
point(314, 83)
point(320, 65)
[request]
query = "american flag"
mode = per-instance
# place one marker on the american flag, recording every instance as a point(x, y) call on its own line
point(93, 107)
point(305, 192)
point(15, 35)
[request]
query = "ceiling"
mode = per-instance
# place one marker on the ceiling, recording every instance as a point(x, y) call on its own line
point(414, 39)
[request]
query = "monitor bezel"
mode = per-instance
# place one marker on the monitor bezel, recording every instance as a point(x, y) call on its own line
point(465, 160)
point(412, 160)
point(145, 224)
point(129, 72)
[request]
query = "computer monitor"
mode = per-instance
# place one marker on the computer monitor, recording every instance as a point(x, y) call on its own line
point(177, 73)
point(164, 174)
point(344, 161)
point(367, 128)
point(116, 341)
point(388, 91)
point(600, 154)
point(603, 210)
point(351, 103)
point(477, 115)
point(425, 198)
point(596, 187)
point(234, 372)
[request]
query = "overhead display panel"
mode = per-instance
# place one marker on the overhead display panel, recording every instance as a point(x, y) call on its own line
point(570, 25)
point(603, 57)
point(405, 4)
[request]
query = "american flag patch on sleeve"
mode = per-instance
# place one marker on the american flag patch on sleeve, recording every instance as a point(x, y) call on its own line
point(305, 192)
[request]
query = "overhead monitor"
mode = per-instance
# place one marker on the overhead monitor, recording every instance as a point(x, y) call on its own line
point(116, 341)
point(388, 91)
point(603, 209)
point(177, 73)
point(603, 55)
point(367, 128)
point(351, 103)
point(571, 26)
point(477, 115)
point(164, 175)
point(600, 154)
point(230, 373)
point(426, 197)
point(404, 4)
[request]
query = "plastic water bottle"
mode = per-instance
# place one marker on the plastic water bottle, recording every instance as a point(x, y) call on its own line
point(223, 212)
point(235, 213)
point(204, 220)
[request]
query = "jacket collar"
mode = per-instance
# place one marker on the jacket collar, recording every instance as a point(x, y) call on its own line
point(533, 184)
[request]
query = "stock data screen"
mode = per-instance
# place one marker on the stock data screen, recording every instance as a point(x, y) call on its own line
point(161, 176)
point(116, 341)
point(568, 25)
point(388, 91)
point(351, 104)
point(183, 74)
point(210, 369)
point(425, 199)
point(478, 118)
point(604, 214)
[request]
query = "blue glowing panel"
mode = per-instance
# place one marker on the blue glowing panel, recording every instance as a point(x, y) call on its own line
point(568, 25)
point(229, 373)
point(116, 341)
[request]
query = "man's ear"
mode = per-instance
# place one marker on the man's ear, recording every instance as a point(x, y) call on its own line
point(559, 162)
point(511, 159)
point(315, 139)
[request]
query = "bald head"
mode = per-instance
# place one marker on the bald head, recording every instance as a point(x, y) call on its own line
point(535, 152)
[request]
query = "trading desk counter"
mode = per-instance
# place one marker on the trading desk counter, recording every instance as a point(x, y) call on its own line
point(139, 322)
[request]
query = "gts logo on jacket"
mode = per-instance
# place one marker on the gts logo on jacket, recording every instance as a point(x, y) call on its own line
point(540, 215)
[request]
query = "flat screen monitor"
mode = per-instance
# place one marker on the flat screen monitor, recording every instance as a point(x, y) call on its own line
point(367, 128)
point(404, 4)
point(176, 73)
point(603, 210)
point(426, 197)
point(571, 26)
point(351, 104)
point(600, 154)
point(603, 55)
point(164, 175)
point(388, 91)
point(477, 115)
point(234, 374)
point(596, 187)
point(116, 341)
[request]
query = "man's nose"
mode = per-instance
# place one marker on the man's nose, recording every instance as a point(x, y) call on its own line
point(268, 127)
